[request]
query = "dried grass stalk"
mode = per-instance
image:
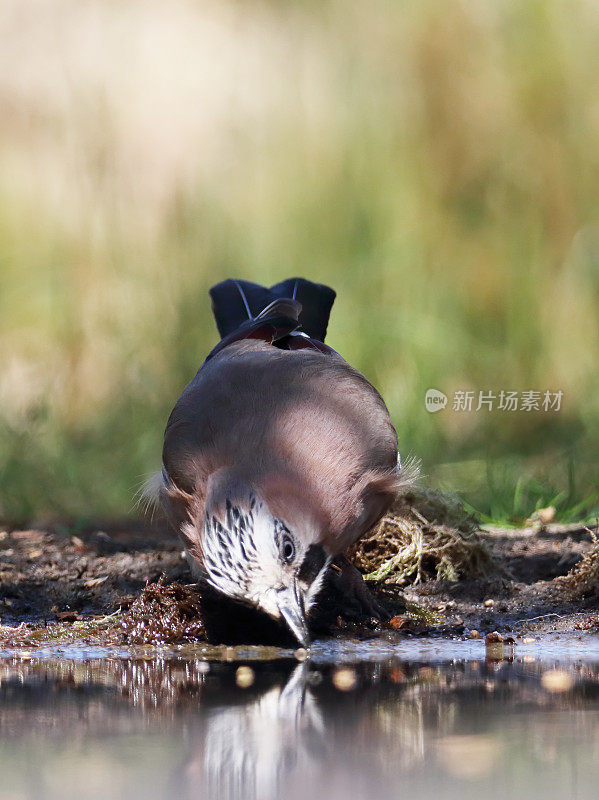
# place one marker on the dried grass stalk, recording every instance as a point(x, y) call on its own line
point(425, 535)
point(583, 578)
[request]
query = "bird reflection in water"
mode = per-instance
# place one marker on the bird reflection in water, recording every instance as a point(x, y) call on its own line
point(193, 729)
point(252, 749)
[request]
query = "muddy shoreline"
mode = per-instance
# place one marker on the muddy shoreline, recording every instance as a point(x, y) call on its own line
point(54, 576)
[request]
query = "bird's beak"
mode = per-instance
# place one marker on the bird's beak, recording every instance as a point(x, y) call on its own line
point(291, 608)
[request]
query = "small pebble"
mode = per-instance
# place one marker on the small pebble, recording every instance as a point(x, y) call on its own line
point(345, 679)
point(244, 677)
point(489, 603)
point(475, 635)
point(528, 640)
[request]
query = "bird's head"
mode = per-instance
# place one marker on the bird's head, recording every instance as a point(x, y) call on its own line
point(255, 557)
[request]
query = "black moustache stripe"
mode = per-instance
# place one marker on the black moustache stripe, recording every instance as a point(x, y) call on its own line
point(313, 562)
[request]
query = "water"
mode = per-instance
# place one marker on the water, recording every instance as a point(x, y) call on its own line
point(378, 719)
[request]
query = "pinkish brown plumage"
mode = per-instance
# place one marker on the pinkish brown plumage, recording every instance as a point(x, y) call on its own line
point(276, 451)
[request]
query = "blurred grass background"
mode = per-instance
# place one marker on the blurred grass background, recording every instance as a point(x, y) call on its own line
point(436, 163)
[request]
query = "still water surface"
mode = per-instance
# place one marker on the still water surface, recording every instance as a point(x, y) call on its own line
point(416, 719)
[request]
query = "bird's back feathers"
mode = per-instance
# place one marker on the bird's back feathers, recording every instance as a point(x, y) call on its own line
point(307, 429)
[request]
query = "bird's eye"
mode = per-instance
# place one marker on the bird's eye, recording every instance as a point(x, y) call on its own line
point(287, 549)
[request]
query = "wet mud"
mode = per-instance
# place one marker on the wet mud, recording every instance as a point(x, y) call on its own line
point(85, 585)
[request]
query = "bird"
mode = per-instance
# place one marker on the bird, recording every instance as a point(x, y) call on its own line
point(277, 457)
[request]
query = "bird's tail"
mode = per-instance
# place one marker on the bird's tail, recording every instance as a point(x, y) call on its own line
point(235, 302)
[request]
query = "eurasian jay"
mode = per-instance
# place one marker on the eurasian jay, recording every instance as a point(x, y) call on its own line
point(278, 455)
